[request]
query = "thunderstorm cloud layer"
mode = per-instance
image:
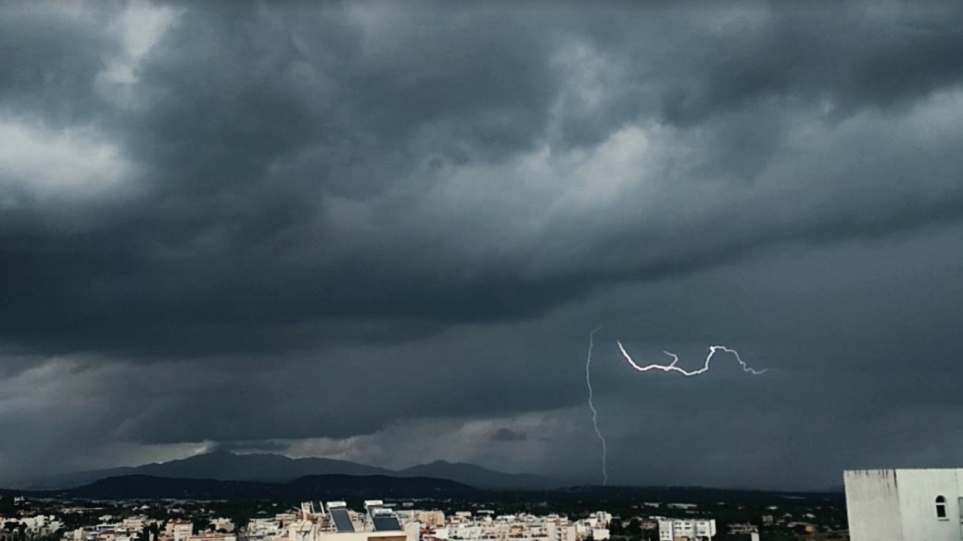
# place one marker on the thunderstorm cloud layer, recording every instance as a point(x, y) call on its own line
point(381, 231)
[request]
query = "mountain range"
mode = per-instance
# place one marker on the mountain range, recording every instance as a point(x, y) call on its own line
point(311, 487)
point(355, 488)
point(272, 468)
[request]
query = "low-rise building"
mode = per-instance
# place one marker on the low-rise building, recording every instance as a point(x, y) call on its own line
point(221, 524)
point(742, 528)
point(213, 536)
point(179, 530)
point(134, 524)
point(686, 529)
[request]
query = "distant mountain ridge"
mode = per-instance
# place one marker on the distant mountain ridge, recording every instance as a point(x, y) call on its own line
point(480, 477)
point(311, 487)
point(359, 487)
point(272, 468)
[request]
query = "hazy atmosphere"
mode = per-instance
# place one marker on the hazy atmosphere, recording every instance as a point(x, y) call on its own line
point(382, 232)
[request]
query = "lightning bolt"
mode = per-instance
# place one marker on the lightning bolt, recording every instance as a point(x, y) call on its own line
point(671, 367)
point(591, 405)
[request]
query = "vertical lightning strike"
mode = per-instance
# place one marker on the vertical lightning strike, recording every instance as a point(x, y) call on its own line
point(591, 405)
point(671, 367)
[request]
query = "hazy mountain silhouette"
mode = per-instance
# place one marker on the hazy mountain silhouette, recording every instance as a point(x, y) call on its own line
point(271, 468)
point(312, 487)
point(359, 487)
point(480, 477)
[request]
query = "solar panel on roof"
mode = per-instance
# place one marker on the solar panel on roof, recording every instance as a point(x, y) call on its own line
point(342, 521)
point(385, 523)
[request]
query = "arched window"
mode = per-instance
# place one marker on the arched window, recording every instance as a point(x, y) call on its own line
point(940, 507)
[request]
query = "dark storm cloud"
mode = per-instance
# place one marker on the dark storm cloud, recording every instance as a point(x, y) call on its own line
point(50, 61)
point(259, 446)
point(233, 228)
point(507, 434)
point(856, 56)
point(236, 220)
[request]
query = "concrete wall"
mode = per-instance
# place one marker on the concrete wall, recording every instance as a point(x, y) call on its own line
point(900, 505)
point(872, 505)
point(918, 490)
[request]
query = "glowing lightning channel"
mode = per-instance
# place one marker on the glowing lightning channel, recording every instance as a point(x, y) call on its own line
point(591, 405)
point(671, 367)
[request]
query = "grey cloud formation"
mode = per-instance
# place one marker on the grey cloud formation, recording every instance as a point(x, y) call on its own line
point(507, 434)
point(231, 224)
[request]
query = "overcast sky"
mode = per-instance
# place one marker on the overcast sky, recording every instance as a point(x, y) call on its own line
point(383, 231)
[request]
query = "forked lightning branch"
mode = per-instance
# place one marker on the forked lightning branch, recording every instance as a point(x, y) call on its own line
point(668, 368)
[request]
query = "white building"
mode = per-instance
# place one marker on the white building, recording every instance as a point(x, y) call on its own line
point(134, 524)
point(263, 529)
point(904, 505)
point(213, 537)
point(672, 529)
point(179, 530)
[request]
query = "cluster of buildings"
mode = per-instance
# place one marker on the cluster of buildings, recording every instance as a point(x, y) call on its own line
point(140, 528)
point(19, 528)
point(893, 495)
point(334, 521)
point(884, 505)
point(484, 525)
